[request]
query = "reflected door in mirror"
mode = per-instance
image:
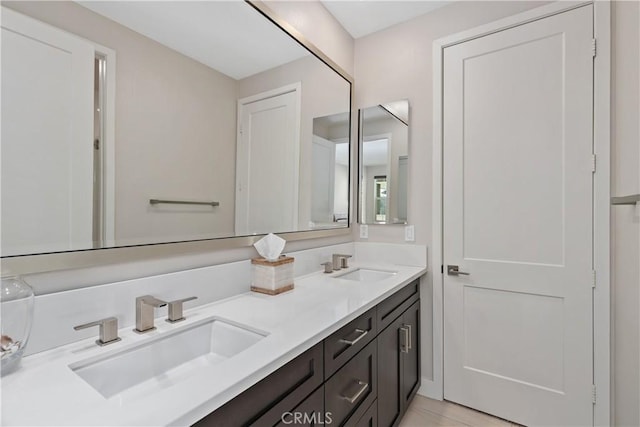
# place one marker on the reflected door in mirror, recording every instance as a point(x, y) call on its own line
point(47, 134)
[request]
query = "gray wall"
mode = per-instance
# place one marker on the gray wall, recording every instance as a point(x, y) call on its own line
point(625, 227)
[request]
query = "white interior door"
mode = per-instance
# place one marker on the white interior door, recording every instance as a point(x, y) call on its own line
point(47, 137)
point(267, 164)
point(323, 173)
point(518, 218)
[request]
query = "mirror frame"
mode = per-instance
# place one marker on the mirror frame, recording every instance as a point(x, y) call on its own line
point(40, 263)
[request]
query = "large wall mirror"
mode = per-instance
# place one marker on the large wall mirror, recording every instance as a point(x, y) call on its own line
point(132, 123)
point(384, 162)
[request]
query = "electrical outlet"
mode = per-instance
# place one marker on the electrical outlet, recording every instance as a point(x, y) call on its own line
point(409, 233)
point(364, 231)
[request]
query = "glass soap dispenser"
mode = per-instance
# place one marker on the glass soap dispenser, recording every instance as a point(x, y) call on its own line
point(16, 313)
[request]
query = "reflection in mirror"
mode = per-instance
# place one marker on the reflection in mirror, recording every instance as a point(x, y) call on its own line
point(384, 157)
point(330, 171)
point(127, 123)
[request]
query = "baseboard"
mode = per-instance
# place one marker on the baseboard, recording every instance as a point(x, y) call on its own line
point(430, 389)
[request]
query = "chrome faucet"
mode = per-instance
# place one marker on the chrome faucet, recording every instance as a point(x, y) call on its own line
point(145, 306)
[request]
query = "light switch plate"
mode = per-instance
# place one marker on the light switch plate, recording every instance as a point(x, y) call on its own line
point(364, 231)
point(409, 233)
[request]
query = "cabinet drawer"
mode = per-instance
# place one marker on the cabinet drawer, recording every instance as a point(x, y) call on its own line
point(370, 418)
point(350, 392)
point(396, 304)
point(347, 341)
point(310, 413)
point(277, 393)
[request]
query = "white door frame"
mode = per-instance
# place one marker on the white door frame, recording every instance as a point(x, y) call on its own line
point(108, 147)
point(601, 189)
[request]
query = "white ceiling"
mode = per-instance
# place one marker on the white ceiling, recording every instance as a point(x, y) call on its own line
point(364, 17)
point(375, 152)
point(228, 36)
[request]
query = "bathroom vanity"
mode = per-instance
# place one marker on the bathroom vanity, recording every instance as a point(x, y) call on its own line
point(336, 346)
point(364, 374)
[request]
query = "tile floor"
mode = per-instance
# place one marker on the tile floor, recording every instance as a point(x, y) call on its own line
point(425, 412)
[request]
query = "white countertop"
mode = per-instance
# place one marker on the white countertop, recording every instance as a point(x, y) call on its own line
point(45, 391)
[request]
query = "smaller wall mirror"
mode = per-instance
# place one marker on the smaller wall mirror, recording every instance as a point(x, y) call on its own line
point(384, 161)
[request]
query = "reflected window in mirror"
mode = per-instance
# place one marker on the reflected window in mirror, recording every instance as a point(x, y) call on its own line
point(383, 163)
point(130, 123)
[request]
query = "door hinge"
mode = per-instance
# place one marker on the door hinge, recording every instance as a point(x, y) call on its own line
point(96, 144)
point(594, 47)
point(593, 163)
point(593, 394)
point(593, 278)
point(442, 269)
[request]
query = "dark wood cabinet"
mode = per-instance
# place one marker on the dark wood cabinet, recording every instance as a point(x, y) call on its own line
point(370, 417)
point(410, 359)
point(310, 413)
point(267, 400)
point(398, 365)
point(343, 344)
point(363, 375)
point(389, 375)
point(353, 388)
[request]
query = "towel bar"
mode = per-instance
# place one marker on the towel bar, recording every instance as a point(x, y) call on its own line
point(626, 200)
point(181, 202)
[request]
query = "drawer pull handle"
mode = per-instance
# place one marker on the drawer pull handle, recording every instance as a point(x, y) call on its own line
point(361, 334)
point(362, 387)
point(405, 340)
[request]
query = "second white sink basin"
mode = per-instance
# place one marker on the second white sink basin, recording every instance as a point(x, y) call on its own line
point(167, 359)
point(366, 275)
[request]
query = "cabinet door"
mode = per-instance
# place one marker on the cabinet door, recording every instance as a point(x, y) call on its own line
point(410, 354)
point(390, 375)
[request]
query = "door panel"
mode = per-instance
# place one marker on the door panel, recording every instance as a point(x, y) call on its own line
point(267, 158)
point(517, 217)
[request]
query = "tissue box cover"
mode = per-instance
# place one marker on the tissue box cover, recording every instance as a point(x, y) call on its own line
point(272, 277)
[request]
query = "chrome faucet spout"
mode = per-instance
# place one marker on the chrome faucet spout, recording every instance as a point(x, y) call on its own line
point(145, 306)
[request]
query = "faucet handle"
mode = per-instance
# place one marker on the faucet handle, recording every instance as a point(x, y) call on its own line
point(108, 330)
point(328, 266)
point(344, 261)
point(175, 309)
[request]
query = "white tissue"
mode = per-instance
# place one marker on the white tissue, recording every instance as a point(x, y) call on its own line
point(270, 247)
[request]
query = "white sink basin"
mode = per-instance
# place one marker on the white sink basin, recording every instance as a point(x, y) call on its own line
point(167, 359)
point(366, 275)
